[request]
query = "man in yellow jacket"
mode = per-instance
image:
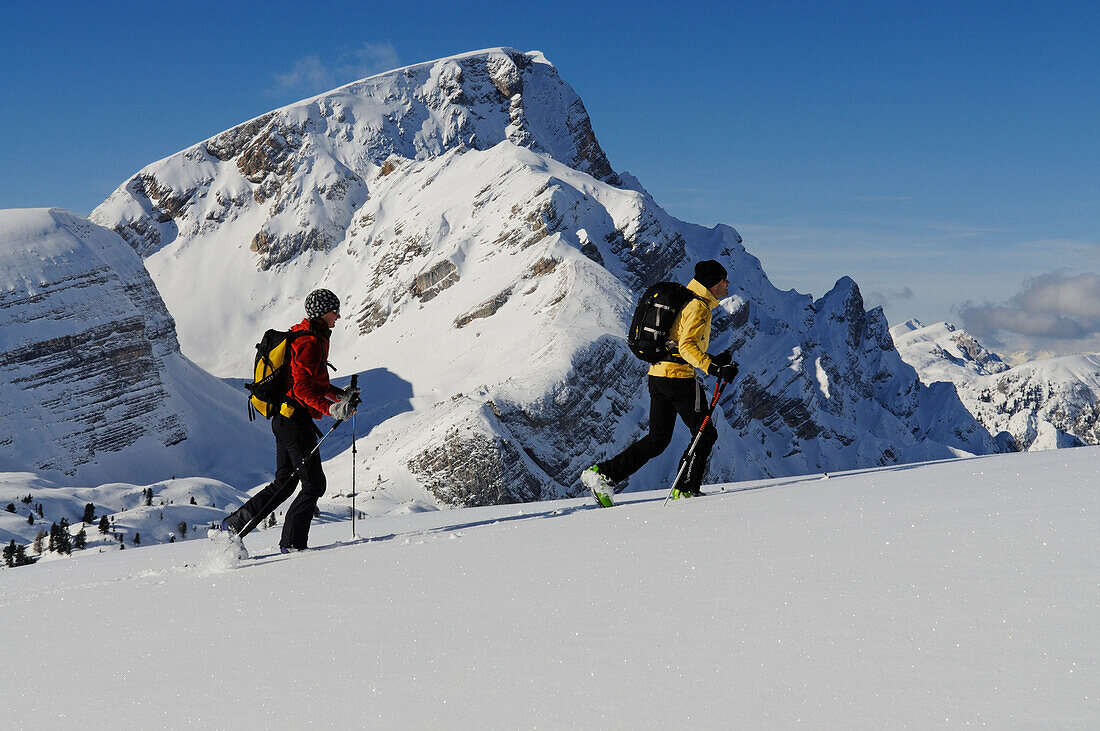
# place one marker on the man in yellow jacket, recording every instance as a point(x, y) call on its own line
point(673, 389)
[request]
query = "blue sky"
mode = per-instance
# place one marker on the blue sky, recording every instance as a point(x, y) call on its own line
point(946, 155)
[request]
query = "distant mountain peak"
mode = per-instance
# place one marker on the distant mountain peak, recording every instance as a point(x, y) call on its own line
point(308, 165)
point(1040, 404)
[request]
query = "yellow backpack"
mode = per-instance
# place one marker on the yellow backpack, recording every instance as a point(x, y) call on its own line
point(268, 389)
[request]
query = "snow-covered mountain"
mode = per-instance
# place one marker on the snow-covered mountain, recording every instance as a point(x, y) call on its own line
point(1042, 404)
point(488, 257)
point(942, 352)
point(93, 386)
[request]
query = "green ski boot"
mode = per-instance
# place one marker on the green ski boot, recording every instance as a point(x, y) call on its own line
point(599, 486)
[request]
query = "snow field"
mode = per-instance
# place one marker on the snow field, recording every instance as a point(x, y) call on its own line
point(938, 595)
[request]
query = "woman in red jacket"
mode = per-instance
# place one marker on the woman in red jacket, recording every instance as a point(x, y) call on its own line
point(309, 396)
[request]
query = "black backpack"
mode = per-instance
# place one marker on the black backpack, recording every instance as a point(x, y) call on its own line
point(653, 317)
point(268, 389)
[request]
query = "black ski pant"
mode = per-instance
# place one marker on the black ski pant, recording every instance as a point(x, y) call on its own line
point(295, 439)
point(667, 398)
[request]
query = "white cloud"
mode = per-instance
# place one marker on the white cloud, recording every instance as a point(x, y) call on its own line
point(888, 297)
point(312, 75)
point(925, 269)
point(371, 59)
point(308, 74)
point(1054, 311)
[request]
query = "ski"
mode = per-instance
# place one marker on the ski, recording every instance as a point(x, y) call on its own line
point(598, 486)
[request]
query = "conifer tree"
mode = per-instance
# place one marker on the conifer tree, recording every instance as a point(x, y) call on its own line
point(104, 525)
point(39, 539)
point(60, 538)
point(64, 538)
point(16, 555)
point(80, 539)
point(137, 539)
point(182, 528)
point(21, 557)
point(10, 507)
point(89, 514)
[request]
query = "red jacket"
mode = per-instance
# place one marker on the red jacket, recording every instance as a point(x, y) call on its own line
point(309, 385)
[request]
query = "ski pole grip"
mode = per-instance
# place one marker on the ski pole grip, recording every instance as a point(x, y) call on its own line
point(355, 384)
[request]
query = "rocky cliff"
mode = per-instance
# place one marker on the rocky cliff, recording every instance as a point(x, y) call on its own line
point(93, 385)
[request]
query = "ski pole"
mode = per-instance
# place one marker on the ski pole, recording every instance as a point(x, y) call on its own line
point(255, 521)
point(353, 534)
point(718, 388)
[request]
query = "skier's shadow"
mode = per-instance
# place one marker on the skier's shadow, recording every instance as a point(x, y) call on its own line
point(451, 527)
point(265, 558)
point(628, 498)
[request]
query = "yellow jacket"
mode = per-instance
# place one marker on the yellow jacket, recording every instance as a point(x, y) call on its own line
point(691, 333)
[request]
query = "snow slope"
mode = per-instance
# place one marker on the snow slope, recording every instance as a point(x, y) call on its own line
point(195, 502)
point(1048, 403)
point(943, 595)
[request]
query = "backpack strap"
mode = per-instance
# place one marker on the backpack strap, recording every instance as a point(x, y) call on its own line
point(674, 349)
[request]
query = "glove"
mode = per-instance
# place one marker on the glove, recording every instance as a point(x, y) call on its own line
point(352, 391)
point(343, 408)
point(723, 358)
point(726, 372)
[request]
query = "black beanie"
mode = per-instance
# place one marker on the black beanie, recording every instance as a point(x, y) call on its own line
point(709, 273)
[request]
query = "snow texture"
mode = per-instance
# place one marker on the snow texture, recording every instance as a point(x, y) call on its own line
point(945, 595)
